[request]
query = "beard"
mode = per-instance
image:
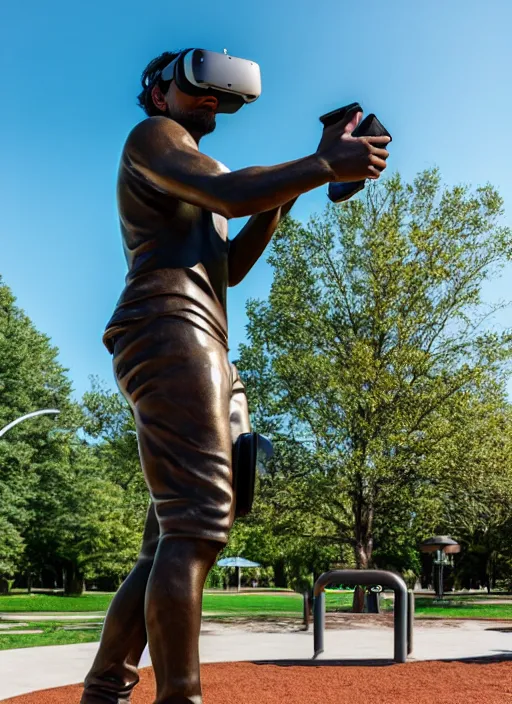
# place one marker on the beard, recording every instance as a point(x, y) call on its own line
point(199, 121)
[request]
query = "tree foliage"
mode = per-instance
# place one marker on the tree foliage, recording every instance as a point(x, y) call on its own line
point(369, 350)
point(31, 378)
point(375, 368)
point(68, 505)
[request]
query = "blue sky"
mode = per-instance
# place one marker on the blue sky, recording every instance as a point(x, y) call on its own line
point(438, 74)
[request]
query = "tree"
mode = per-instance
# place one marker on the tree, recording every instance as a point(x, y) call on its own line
point(31, 378)
point(110, 428)
point(476, 500)
point(278, 533)
point(110, 423)
point(371, 341)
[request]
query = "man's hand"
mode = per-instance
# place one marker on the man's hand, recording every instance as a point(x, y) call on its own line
point(352, 158)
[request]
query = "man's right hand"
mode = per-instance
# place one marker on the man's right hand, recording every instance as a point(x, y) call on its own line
point(352, 158)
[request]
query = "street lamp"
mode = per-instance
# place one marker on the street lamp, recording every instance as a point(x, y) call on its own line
point(26, 417)
point(443, 546)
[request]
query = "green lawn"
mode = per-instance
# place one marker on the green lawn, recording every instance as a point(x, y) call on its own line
point(246, 605)
point(454, 608)
point(252, 604)
point(473, 598)
point(220, 605)
point(226, 603)
point(53, 634)
point(24, 603)
point(215, 605)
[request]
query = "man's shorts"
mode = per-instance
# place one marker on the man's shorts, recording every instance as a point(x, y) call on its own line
point(189, 407)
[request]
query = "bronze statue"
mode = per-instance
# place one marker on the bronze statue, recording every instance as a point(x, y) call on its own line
point(168, 337)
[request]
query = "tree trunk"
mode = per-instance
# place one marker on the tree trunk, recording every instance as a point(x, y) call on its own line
point(363, 548)
point(4, 586)
point(490, 571)
point(358, 600)
point(73, 581)
point(279, 574)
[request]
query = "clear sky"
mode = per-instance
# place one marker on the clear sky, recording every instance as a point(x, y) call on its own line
point(437, 73)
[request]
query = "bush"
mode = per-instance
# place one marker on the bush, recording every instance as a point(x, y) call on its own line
point(216, 578)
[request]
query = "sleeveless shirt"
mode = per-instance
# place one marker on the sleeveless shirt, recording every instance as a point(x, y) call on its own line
point(177, 256)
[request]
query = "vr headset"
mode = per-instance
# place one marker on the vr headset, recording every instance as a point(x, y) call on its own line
point(234, 82)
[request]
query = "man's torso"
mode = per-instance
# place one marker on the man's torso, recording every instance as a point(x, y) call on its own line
point(177, 256)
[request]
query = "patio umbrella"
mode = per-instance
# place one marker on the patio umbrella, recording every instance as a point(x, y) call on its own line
point(237, 562)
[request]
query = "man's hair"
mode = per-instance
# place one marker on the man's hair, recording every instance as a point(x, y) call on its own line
point(150, 78)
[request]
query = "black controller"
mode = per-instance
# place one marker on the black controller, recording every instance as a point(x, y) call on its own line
point(369, 127)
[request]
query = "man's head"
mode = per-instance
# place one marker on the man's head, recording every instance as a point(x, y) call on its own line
point(158, 97)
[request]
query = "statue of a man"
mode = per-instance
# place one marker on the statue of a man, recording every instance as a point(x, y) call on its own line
point(169, 341)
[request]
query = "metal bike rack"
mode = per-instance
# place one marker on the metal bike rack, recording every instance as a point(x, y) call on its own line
point(404, 605)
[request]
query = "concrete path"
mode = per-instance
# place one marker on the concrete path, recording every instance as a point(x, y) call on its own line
point(32, 669)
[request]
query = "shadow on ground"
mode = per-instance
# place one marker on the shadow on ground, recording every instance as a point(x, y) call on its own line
point(501, 656)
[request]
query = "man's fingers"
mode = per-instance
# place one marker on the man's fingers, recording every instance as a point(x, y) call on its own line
point(382, 153)
point(377, 141)
point(377, 162)
point(373, 173)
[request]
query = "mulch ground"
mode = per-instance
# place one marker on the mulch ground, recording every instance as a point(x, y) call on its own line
point(329, 683)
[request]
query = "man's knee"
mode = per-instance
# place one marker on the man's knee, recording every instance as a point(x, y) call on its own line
point(189, 549)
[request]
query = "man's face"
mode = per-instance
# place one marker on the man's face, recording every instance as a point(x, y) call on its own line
point(195, 113)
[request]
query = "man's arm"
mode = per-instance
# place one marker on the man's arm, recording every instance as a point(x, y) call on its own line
point(248, 246)
point(164, 153)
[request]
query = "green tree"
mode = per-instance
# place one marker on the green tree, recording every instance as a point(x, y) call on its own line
point(72, 495)
point(31, 378)
point(371, 340)
point(476, 499)
point(110, 423)
point(110, 428)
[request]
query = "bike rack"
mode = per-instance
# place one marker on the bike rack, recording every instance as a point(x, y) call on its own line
point(403, 613)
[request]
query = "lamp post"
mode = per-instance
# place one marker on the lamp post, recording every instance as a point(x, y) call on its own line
point(26, 417)
point(443, 546)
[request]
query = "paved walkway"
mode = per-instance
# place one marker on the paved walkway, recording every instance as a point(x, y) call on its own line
point(41, 668)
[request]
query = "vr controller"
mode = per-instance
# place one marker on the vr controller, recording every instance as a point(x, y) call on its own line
point(369, 127)
point(251, 453)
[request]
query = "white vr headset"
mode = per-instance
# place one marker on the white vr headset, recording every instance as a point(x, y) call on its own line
point(234, 82)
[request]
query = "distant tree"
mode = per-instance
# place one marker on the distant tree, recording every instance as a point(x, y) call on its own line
point(31, 378)
point(476, 499)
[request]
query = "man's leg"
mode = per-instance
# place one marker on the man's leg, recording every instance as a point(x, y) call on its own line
point(186, 455)
point(178, 382)
point(114, 672)
point(173, 616)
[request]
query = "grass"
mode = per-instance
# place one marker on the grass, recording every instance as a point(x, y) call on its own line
point(215, 605)
point(53, 634)
point(250, 604)
point(221, 605)
point(454, 608)
point(478, 598)
point(221, 602)
point(25, 603)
